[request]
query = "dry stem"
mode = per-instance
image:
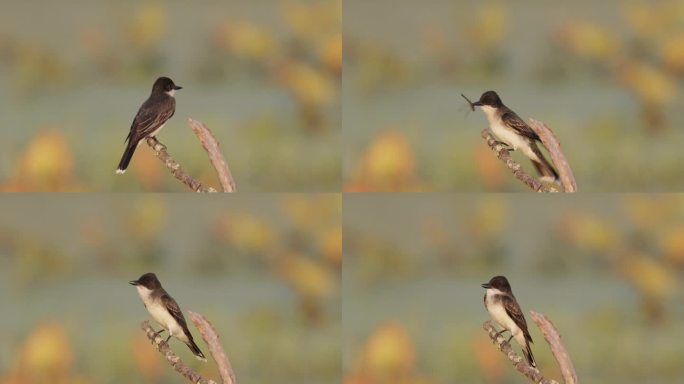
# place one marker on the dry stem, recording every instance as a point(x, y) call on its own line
point(212, 339)
point(210, 144)
point(518, 362)
point(502, 152)
point(552, 337)
point(175, 168)
point(552, 144)
point(557, 348)
point(175, 361)
point(548, 139)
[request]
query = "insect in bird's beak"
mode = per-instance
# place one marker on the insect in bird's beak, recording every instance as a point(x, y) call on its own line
point(472, 105)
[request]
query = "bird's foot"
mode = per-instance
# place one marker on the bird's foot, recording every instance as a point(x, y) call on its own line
point(506, 146)
point(501, 333)
point(159, 144)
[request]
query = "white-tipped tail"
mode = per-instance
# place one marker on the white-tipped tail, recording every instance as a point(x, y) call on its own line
point(195, 349)
point(120, 171)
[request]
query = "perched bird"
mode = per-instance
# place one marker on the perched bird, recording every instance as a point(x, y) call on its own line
point(511, 130)
point(165, 311)
point(505, 311)
point(151, 117)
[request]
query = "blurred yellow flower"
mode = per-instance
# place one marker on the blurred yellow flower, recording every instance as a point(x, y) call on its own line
point(37, 260)
point(307, 277)
point(673, 52)
point(646, 212)
point(311, 19)
point(309, 86)
point(671, 243)
point(247, 232)
point(330, 53)
point(387, 165)
point(649, 83)
point(148, 25)
point(589, 232)
point(247, 41)
point(654, 20)
point(489, 26)
point(649, 276)
point(489, 219)
point(312, 214)
point(389, 353)
point(589, 41)
point(331, 245)
point(47, 163)
point(36, 66)
point(146, 218)
point(46, 355)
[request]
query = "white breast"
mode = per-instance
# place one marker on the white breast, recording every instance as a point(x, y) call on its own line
point(499, 314)
point(506, 134)
point(160, 314)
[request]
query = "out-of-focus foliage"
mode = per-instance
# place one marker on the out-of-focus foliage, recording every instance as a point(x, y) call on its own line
point(264, 270)
point(264, 77)
point(646, 253)
point(47, 163)
point(388, 164)
point(306, 61)
point(604, 76)
point(388, 356)
point(46, 356)
point(307, 258)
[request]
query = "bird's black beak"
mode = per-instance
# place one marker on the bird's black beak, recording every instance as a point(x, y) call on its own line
point(486, 286)
point(134, 282)
point(176, 87)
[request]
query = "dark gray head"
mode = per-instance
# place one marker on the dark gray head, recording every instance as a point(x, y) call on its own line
point(489, 99)
point(148, 280)
point(165, 85)
point(498, 282)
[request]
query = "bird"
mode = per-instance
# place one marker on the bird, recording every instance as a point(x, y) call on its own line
point(511, 130)
point(165, 311)
point(150, 119)
point(505, 311)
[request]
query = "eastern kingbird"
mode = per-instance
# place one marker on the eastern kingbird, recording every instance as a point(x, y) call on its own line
point(165, 311)
point(504, 309)
point(151, 117)
point(511, 130)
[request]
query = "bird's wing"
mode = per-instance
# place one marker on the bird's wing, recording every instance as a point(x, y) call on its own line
point(514, 121)
point(514, 311)
point(174, 309)
point(149, 120)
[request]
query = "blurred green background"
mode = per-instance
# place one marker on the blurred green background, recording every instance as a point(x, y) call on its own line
point(606, 76)
point(265, 271)
point(264, 76)
point(607, 270)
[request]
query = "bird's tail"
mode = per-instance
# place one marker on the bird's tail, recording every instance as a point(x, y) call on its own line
point(528, 355)
point(543, 166)
point(126, 158)
point(195, 350)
